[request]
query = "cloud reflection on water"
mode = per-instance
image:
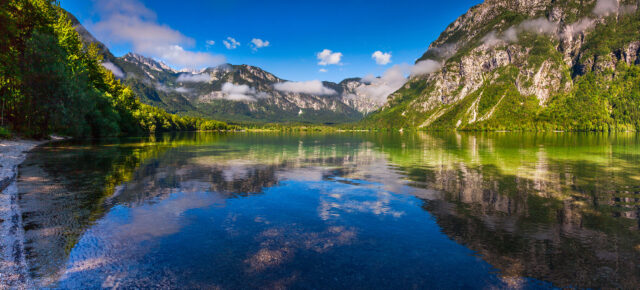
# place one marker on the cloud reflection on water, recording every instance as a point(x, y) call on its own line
point(260, 207)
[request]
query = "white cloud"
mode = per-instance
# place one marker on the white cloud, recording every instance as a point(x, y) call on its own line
point(425, 67)
point(323, 70)
point(381, 58)
point(238, 92)
point(606, 7)
point(492, 39)
point(210, 42)
point(114, 69)
point(380, 88)
point(538, 25)
point(628, 9)
point(177, 55)
point(130, 22)
point(164, 88)
point(546, 27)
point(577, 27)
point(511, 35)
point(231, 43)
point(445, 51)
point(193, 78)
point(241, 93)
point(259, 43)
point(310, 87)
point(327, 57)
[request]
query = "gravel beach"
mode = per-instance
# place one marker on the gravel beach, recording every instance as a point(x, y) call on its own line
point(13, 269)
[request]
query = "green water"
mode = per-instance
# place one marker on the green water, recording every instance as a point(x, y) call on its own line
point(357, 210)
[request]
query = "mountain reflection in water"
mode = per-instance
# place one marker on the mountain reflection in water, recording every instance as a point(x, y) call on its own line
point(335, 210)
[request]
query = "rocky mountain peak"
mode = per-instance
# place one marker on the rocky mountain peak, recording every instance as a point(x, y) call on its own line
point(149, 62)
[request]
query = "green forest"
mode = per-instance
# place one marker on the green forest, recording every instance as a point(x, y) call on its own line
point(51, 83)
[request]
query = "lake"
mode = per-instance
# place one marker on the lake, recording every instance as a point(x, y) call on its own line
point(339, 210)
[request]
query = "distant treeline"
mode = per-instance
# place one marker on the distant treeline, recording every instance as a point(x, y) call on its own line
point(50, 82)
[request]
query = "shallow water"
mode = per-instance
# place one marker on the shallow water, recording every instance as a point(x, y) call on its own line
point(335, 210)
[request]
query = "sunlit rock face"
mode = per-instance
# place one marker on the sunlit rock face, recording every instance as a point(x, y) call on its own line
point(518, 49)
point(259, 207)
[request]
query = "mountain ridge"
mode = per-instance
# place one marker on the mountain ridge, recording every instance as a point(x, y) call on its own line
point(251, 95)
point(520, 65)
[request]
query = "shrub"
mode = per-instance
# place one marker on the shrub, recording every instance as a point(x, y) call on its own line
point(5, 133)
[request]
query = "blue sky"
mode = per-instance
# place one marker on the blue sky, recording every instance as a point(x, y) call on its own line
point(297, 31)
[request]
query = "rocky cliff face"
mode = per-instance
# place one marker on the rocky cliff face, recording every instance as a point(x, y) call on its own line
point(506, 52)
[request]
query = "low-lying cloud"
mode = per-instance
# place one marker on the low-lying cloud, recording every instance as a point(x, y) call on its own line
point(538, 26)
point(117, 72)
point(309, 87)
point(328, 57)
point(379, 88)
point(546, 27)
point(182, 90)
point(606, 7)
point(130, 22)
point(162, 87)
point(381, 58)
point(425, 67)
point(578, 27)
point(193, 78)
point(445, 51)
point(235, 92)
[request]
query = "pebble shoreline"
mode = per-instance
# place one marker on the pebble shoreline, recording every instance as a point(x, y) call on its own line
point(13, 267)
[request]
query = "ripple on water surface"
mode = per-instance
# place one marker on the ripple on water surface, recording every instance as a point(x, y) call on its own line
point(333, 211)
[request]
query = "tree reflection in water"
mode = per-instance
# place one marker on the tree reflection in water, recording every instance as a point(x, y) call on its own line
point(281, 210)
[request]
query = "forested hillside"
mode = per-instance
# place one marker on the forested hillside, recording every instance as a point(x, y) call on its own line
point(50, 82)
point(535, 65)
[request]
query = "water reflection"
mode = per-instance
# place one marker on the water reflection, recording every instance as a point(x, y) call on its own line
point(342, 210)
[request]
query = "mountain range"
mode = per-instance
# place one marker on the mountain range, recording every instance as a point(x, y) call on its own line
point(504, 65)
point(236, 93)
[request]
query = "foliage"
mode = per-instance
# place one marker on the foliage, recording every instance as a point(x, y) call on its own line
point(5, 133)
point(612, 35)
point(597, 97)
point(212, 126)
point(51, 82)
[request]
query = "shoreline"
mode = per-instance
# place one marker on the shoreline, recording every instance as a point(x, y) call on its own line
point(14, 272)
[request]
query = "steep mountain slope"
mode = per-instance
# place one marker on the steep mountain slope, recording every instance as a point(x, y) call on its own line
point(528, 65)
point(236, 92)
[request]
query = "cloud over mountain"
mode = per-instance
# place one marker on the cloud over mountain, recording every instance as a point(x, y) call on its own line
point(235, 92)
point(309, 87)
point(131, 23)
point(193, 78)
point(114, 69)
